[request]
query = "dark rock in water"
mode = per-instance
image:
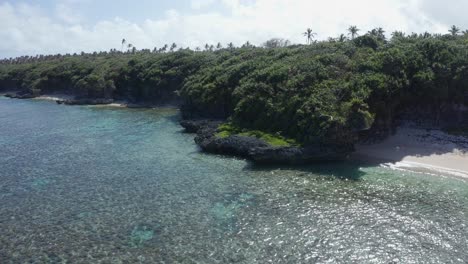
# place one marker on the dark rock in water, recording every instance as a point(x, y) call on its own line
point(192, 126)
point(138, 106)
point(20, 95)
point(206, 138)
point(258, 150)
point(86, 101)
point(297, 155)
point(232, 145)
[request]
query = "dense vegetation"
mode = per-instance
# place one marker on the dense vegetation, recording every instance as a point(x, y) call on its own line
point(318, 93)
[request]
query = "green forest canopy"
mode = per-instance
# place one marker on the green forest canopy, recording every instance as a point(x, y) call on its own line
point(318, 93)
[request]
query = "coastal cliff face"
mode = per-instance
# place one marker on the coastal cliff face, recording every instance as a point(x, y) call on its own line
point(9, 85)
point(323, 96)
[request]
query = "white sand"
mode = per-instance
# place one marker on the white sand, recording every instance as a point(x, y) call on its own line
point(54, 97)
point(112, 105)
point(420, 150)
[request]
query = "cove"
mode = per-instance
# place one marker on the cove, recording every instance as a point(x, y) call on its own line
point(81, 183)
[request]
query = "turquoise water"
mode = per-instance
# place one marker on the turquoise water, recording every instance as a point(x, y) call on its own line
point(96, 184)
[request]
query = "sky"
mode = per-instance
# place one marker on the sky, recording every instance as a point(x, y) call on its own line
point(33, 27)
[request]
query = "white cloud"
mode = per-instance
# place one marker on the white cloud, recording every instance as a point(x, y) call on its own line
point(447, 12)
point(65, 13)
point(199, 4)
point(26, 29)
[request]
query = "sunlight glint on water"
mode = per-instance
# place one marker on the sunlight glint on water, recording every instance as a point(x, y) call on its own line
point(87, 183)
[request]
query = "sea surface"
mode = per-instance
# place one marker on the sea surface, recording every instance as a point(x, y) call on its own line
point(86, 184)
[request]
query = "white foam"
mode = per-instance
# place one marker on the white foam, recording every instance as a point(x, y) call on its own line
point(425, 168)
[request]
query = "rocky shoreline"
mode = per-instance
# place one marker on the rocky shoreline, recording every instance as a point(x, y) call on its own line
point(20, 95)
point(260, 152)
point(256, 149)
point(411, 148)
point(248, 147)
point(64, 99)
point(85, 101)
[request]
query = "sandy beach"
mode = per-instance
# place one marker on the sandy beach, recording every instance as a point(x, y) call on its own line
point(57, 97)
point(54, 97)
point(422, 150)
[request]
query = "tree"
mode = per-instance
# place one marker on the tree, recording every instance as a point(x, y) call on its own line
point(231, 46)
point(129, 46)
point(163, 49)
point(454, 30)
point(353, 31)
point(207, 47)
point(247, 45)
point(398, 34)
point(342, 38)
point(276, 43)
point(309, 34)
point(173, 47)
point(426, 35)
point(123, 43)
point(379, 33)
point(219, 46)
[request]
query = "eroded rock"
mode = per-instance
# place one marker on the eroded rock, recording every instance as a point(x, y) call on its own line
point(258, 150)
point(86, 101)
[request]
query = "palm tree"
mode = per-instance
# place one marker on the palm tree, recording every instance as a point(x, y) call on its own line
point(219, 46)
point(123, 43)
point(247, 45)
point(342, 38)
point(378, 33)
point(353, 31)
point(173, 47)
point(129, 46)
point(310, 35)
point(426, 35)
point(231, 46)
point(454, 30)
point(414, 35)
point(381, 33)
point(398, 34)
point(163, 49)
point(207, 46)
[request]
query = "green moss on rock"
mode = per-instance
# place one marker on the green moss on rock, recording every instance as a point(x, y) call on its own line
point(227, 129)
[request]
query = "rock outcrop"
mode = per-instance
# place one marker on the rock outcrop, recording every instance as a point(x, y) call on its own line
point(20, 95)
point(256, 149)
point(194, 125)
point(86, 101)
point(297, 155)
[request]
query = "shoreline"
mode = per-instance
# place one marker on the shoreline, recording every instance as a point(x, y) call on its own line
point(419, 150)
point(411, 148)
point(116, 103)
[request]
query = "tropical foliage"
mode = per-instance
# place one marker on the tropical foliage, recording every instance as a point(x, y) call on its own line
point(322, 93)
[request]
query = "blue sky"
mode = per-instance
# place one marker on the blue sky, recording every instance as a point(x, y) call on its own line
point(31, 27)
